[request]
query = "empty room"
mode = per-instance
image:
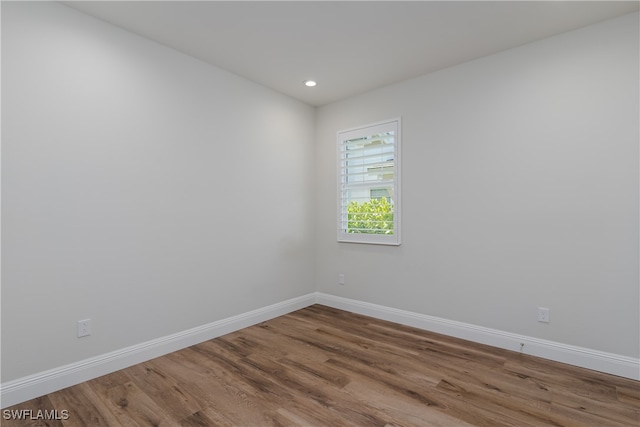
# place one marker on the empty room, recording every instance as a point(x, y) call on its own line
point(320, 213)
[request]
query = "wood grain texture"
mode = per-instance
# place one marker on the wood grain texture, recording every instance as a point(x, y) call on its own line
point(325, 367)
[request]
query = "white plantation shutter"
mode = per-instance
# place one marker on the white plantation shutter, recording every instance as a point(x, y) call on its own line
point(369, 184)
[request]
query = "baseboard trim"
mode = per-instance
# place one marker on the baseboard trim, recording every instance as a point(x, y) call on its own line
point(615, 364)
point(32, 386)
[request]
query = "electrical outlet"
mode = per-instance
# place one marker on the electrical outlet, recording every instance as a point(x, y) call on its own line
point(84, 328)
point(341, 279)
point(543, 315)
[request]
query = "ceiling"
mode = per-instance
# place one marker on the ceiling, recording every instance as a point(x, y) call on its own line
point(349, 47)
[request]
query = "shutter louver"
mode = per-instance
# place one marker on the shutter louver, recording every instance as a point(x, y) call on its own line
point(368, 182)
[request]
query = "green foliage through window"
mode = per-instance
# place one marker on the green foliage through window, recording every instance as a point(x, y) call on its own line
point(372, 217)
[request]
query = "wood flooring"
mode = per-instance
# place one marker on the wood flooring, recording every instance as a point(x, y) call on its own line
point(324, 367)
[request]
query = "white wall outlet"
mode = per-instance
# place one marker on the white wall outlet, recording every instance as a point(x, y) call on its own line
point(543, 314)
point(341, 279)
point(84, 328)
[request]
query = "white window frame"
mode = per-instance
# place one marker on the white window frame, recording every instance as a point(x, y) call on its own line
point(343, 137)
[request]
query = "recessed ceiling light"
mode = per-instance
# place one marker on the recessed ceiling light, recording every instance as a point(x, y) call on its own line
point(310, 83)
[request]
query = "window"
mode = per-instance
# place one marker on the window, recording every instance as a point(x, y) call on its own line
point(369, 184)
point(379, 193)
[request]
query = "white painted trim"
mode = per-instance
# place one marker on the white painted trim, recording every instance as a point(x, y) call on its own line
point(610, 363)
point(26, 388)
point(394, 124)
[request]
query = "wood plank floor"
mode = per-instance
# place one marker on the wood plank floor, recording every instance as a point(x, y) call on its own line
point(324, 367)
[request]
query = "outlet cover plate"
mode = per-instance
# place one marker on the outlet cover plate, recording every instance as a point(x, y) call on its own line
point(84, 328)
point(543, 314)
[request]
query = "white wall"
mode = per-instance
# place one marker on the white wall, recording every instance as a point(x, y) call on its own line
point(119, 156)
point(141, 188)
point(520, 189)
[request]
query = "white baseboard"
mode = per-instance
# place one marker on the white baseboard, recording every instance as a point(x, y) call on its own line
point(615, 364)
point(32, 386)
